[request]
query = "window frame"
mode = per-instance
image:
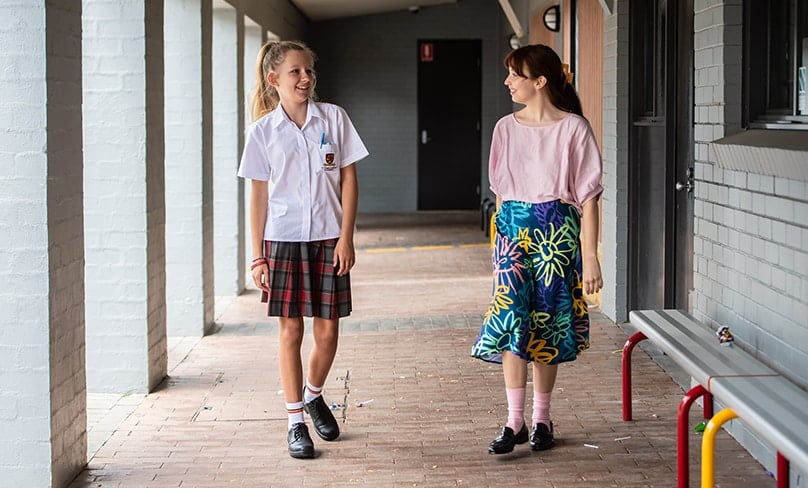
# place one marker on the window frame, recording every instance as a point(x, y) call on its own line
point(757, 49)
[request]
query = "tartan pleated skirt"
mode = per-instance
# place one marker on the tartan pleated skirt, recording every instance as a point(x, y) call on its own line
point(303, 281)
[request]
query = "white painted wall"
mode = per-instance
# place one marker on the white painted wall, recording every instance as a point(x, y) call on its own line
point(42, 385)
point(189, 167)
point(124, 205)
point(228, 127)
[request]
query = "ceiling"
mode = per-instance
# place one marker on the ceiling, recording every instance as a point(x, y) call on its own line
point(316, 10)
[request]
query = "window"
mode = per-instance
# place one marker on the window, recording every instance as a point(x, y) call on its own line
point(775, 64)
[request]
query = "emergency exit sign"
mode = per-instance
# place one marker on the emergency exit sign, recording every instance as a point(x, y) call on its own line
point(427, 51)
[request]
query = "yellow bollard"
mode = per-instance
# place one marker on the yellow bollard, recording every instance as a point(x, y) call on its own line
point(708, 446)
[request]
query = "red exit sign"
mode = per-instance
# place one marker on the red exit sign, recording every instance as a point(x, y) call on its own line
point(427, 51)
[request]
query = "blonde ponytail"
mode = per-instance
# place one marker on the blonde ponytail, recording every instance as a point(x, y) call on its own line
point(265, 97)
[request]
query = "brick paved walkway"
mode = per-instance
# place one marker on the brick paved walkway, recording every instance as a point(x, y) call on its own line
point(428, 410)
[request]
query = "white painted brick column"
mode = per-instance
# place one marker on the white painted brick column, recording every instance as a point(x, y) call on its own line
point(616, 123)
point(253, 40)
point(189, 167)
point(124, 195)
point(228, 130)
point(43, 423)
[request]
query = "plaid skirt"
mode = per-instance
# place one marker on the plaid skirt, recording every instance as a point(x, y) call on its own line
point(303, 281)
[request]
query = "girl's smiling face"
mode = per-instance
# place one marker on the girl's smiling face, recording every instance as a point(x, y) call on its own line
point(523, 88)
point(294, 78)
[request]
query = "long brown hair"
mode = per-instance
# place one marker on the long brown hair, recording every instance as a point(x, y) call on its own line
point(270, 56)
point(541, 60)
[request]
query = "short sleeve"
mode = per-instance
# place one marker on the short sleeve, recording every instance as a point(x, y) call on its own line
point(586, 166)
point(254, 162)
point(494, 159)
point(351, 145)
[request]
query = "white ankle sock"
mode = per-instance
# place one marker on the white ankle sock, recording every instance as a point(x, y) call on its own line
point(295, 413)
point(311, 392)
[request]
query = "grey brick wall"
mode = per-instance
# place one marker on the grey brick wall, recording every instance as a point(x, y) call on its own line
point(751, 268)
point(66, 355)
point(372, 73)
point(614, 201)
point(751, 229)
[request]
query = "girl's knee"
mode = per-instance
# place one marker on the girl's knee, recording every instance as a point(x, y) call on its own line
point(290, 330)
point(326, 331)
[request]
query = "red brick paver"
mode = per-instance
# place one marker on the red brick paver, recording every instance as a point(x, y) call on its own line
point(428, 410)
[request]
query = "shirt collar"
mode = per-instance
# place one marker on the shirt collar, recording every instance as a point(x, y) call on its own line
point(278, 116)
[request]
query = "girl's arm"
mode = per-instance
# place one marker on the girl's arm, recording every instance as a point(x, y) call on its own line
point(344, 253)
point(593, 281)
point(258, 218)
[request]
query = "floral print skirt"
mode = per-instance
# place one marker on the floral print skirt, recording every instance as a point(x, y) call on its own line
point(538, 311)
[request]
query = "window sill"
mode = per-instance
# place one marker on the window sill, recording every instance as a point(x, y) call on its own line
point(780, 153)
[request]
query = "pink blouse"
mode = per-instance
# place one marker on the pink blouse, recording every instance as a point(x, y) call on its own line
point(542, 164)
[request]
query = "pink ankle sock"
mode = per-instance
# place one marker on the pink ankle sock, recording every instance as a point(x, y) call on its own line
point(541, 408)
point(516, 408)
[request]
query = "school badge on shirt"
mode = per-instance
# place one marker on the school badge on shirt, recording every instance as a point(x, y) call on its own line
point(330, 162)
point(328, 152)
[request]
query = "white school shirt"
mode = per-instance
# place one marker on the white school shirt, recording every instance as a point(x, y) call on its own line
point(303, 170)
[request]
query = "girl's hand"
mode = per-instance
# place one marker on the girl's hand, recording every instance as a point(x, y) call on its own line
point(260, 276)
point(344, 256)
point(593, 281)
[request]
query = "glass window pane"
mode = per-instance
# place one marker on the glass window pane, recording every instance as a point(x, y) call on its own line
point(802, 56)
point(780, 49)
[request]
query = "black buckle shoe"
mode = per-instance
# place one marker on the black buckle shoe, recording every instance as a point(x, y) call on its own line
point(300, 444)
point(324, 422)
point(506, 440)
point(541, 438)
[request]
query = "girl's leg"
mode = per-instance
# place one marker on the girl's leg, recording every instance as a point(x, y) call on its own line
point(514, 369)
point(326, 333)
point(291, 369)
point(326, 336)
point(544, 377)
point(291, 366)
point(515, 432)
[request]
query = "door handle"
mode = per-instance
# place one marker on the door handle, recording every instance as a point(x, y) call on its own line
point(688, 184)
point(684, 186)
point(424, 137)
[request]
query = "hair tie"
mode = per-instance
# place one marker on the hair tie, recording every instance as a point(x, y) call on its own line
point(568, 76)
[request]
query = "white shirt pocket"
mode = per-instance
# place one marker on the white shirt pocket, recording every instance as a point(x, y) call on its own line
point(329, 157)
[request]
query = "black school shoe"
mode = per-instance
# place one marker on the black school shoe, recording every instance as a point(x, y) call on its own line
point(541, 438)
point(506, 440)
point(300, 444)
point(324, 422)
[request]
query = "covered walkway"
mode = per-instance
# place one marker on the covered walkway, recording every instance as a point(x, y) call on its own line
point(427, 409)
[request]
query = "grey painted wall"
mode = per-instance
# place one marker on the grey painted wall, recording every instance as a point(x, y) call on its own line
point(368, 65)
point(751, 222)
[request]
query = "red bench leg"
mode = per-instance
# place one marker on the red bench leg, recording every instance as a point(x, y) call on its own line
point(683, 432)
point(782, 471)
point(708, 405)
point(627, 348)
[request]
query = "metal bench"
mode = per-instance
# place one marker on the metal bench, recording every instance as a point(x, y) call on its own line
point(769, 404)
point(772, 406)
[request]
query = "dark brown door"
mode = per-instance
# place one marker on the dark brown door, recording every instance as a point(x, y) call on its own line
point(449, 107)
point(661, 155)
